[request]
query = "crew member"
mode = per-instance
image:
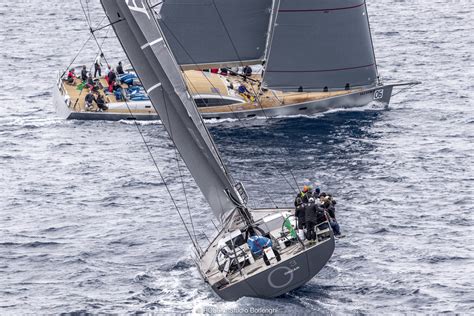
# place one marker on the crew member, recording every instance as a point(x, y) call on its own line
point(98, 65)
point(71, 76)
point(314, 215)
point(120, 69)
point(100, 101)
point(247, 71)
point(89, 101)
point(329, 206)
point(111, 76)
point(117, 90)
point(84, 74)
point(257, 244)
point(300, 212)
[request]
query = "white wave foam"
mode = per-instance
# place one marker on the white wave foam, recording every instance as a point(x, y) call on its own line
point(31, 122)
point(141, 123)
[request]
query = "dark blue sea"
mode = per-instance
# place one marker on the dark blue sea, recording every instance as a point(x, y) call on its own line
point(86, 224)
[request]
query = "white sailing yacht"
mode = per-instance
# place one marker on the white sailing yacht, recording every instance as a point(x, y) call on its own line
point(316, 56)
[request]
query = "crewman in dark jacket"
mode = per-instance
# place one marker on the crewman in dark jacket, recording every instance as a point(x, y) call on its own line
point(100, 101)
point(84, 74)
point(89, 100)
point(310, 219)
point(300, 213)
point(331, 210)
point(313, 214)
point(120, 69)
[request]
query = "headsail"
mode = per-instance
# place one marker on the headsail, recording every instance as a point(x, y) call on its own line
point(145, 47)
point(318, 45)
point(196, 32)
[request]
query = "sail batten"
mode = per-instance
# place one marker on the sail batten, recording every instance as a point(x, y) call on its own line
point(323, 9)
point(159, 73)
point(320, 45)
point(322, 70)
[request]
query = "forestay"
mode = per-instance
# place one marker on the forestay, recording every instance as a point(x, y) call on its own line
point(318, 45)
point(143, 43)
point(216, 33)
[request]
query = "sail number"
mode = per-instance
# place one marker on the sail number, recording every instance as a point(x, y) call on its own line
point(378, 94)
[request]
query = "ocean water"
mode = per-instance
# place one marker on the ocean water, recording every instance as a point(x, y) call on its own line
point(86, 223)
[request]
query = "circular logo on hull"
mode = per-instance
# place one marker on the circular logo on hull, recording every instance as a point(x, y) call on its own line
point(281, 279)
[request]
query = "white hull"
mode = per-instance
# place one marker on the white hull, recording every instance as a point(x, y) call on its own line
point(380, 94)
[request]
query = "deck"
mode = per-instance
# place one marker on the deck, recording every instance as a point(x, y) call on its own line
point(207, 83)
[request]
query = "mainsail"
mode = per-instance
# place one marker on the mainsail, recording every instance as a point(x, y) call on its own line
point(320, 45)
point(216, 33)
point(143, 42)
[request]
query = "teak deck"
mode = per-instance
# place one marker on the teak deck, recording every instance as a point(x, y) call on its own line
point(205, 83)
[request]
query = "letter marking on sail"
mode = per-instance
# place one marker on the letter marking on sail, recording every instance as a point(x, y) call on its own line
point(154, 87)
point(134, 7)
point(152, 43)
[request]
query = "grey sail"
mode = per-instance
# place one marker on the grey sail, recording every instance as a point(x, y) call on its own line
point(207, 33)
point(145, 47)
point(321, 44)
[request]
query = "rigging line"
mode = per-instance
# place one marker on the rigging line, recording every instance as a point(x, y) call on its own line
point(110, 24)
point(88, 10)
point(155, 5)
point(161, 176)
point(170, 136)
point(233, 46)
point(80, 50)
point(77, 55)
point(90, 69)
point(207, 79)
point(257, 97)
point(218, 92)
point(85, 13)
point(213, 148)
point(144, 140)
point(406, 88)
point(225, 131)
point(185, 194)
point(92, 31)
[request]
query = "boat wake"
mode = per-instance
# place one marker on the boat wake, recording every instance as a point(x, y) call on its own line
point(141, 123)
point(31, 122)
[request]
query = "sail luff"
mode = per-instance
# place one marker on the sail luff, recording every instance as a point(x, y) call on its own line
point(372, 42)
point(153, 62)
point(271, 28)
